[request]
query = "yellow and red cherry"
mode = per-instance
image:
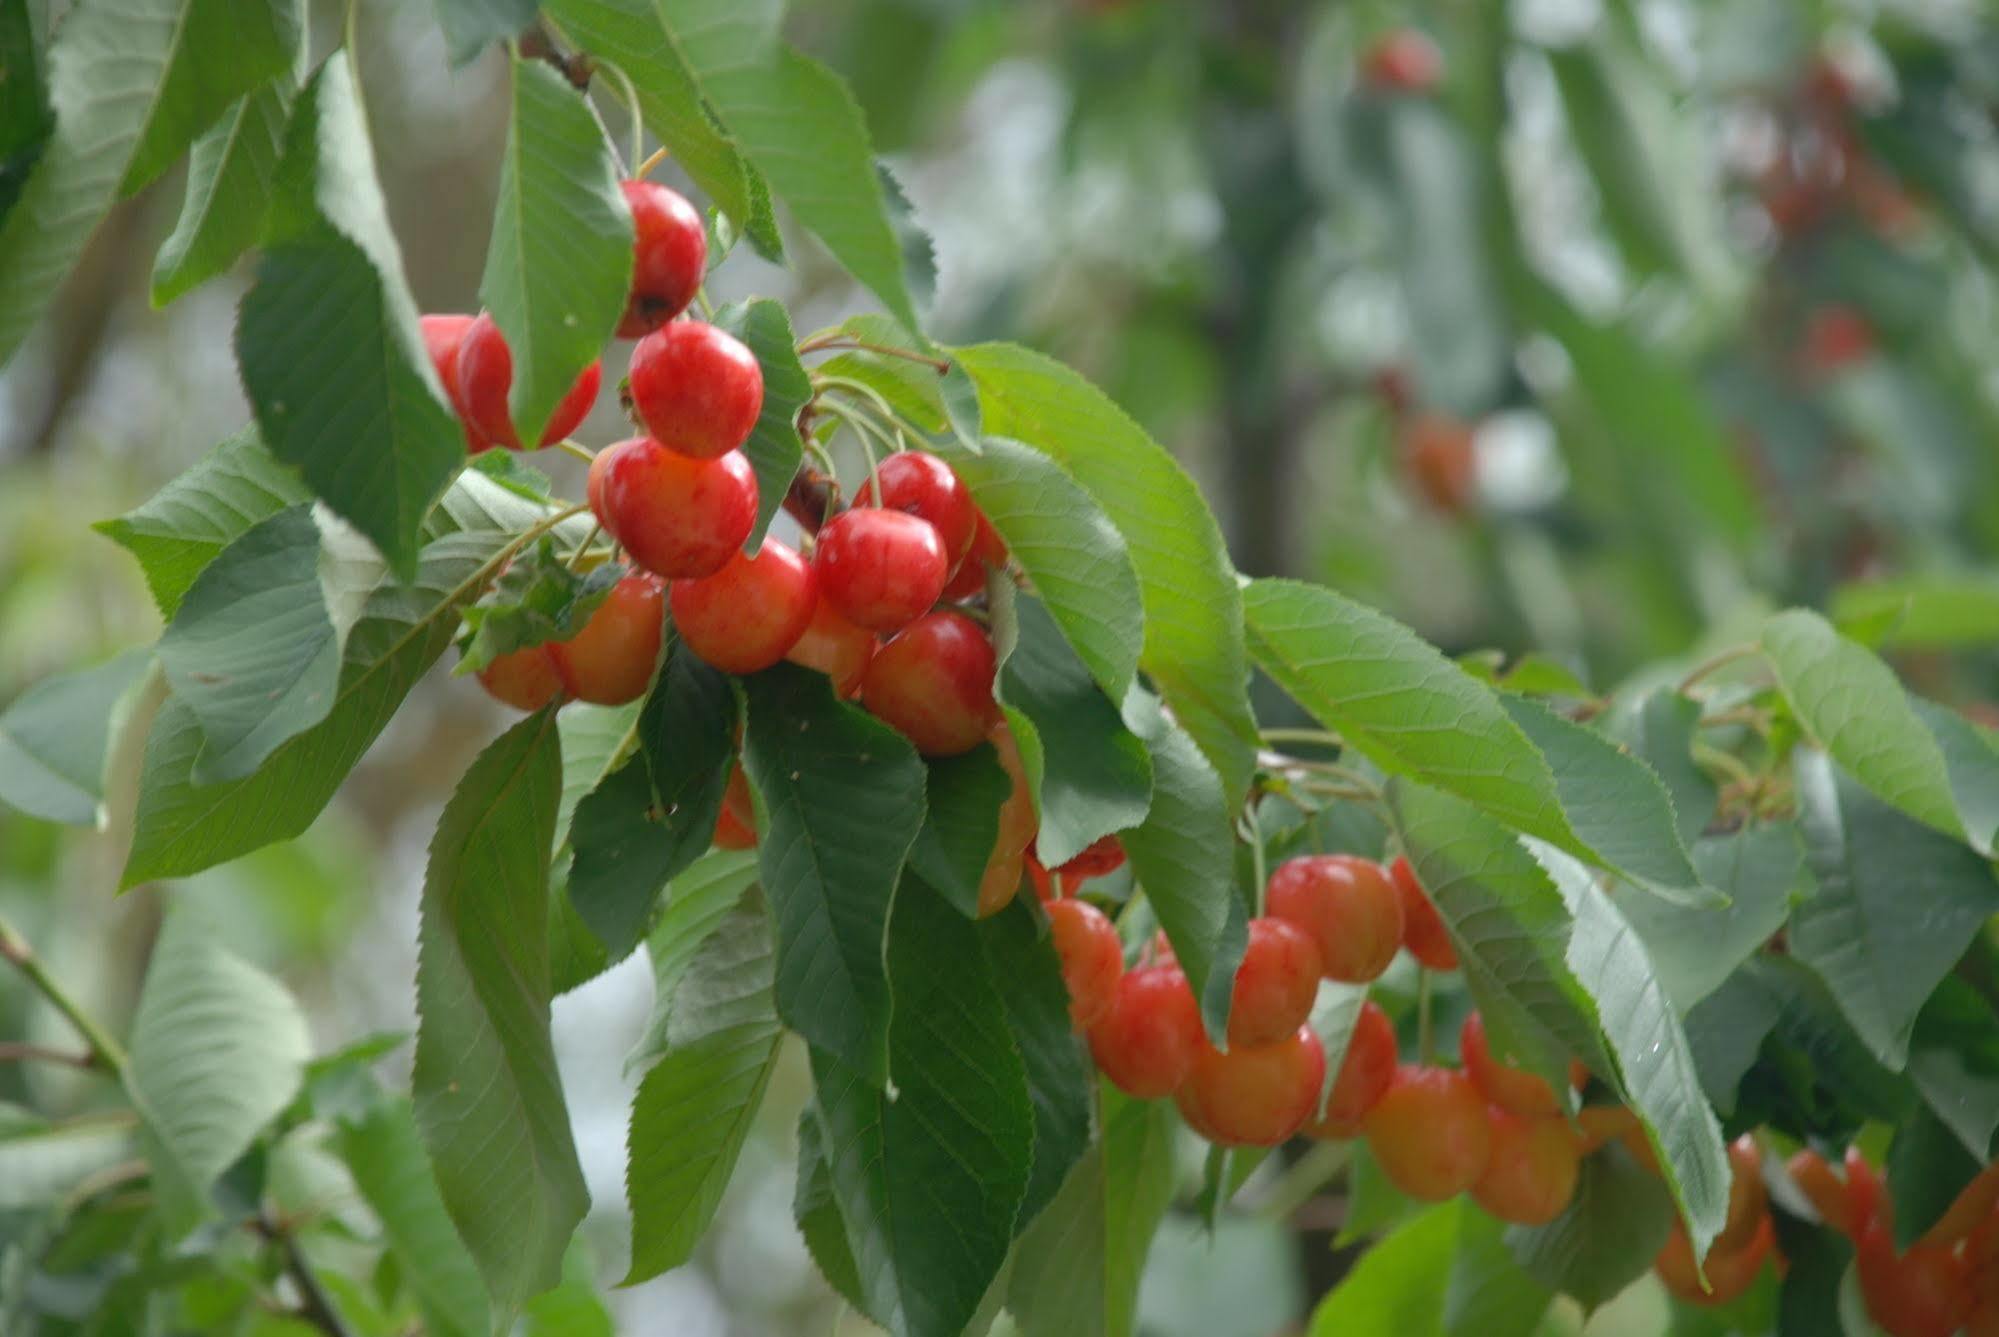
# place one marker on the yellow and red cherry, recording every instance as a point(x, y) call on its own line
point(924, 486)
point(933, 683)
point(1423, 931)
point(1092, 957)
point(1532, 1169)
point(1430, 1133)
point(1365, 1075)
point(835, 647)
point(1147, 1037)
point(746, 616)
point(1276, 983)
point(1348, 905)
point(679, 517)
point(1255, 1095)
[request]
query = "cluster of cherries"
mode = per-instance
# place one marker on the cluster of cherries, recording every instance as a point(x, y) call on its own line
point(682, 500)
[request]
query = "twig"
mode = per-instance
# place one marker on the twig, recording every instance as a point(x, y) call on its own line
point(831, 342)
point(315, 1307)
point(105, 1052)
point(537, 44)
point(1711, 664)
point(13, 1052)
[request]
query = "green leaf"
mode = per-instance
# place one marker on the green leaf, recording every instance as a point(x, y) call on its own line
point(1071, 552)
point(1444, 1273)
point(774, 447)
point(912, 388)
point(1927, 1168)
point(962, 800)
point(328, 342)
point(1971, 762)
point(381, 1150)
point(1658, 728)
point(132, 83)
point(818, 1216)
point(470, 26)
point(26, 119)
point(54, 739)
point(229, 180)
point(537, 599)
point(1335, 1013)
point(42, 1163)
point(1094, 777)
point(1606, 1237)
point(1183, 855)
point(595, 740)
point(702, 898)
point(844, 794)
point(488, 1099)
point(953, 1145)
point(695, 1105)
point(201, 512)
point(1942, 610)
point(218, 1051)
point(184, 827)
point(1193, 648)
point(1954, 1061)
point(1896, 905)
point(254, 650)
point(1059, 1080)
point(559, 265)
point(1849, 703)
point(1694, 948)
point(1077, 1268)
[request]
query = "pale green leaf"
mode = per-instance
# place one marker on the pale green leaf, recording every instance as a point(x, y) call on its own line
point(54, 738)
point(470, 26)
point(229, 178)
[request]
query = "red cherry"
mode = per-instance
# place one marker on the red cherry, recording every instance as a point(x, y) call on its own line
point(988, 550)
point(524, 679)
point(1364, 1076)
point(1532, 1171)
point(1349, 907)
point(835, 647)
point(1925, 1292)
point(1513, 1089)
point(925, 486)
point(1146, 1039)
point(611, 660)
point(679, 517)
point(486, 376)
point(1748, 1200)
point(933, 683)
point(1092, 957)
point(669, 256)
point(736, 824)
point(599, 478)
point(1403, 61)
point(696, 388)
point(1017, 823)
point(441, 337)
point(747, 615)
point(1423, 931)
point(1255, 1095)
point(880, 568)
point(1104, 855)
point(1730, 1272)
point(1275, 984)
point(1429, 1132)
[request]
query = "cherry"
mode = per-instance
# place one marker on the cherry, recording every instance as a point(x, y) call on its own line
point(598, 480)
point(1600, 1125)
point(1439, 459)
point(1423, 931)
point(1925, 1292)
point(836, 647)
point(679, 517)
point(1865, 1196)
point(524, 679)
point(925, 486)
point(1430, 1133)
point(441, 337)
point(669, 256)
point(1403, 61)
point(1255, 1095)
point(1513, 1089)
point(1747, 1198)
point(747, 615)
point(1103, 855)
point(1824, 1189)
point(1146, 1039)
point(1730, 1273)
point(881, 568)
point(696, 388)
point(1017, 824)
point(1835, 338)
point(1364, 1076)
point(988, 550)
point(736, 824)
point(1276, 983)
point(1349, 907)
point(486, 376)
point(1974, 1205)
point(611, 660)
point(1532, 1170)
point(1044, 883)
point(1092, 957)
point(933, 683)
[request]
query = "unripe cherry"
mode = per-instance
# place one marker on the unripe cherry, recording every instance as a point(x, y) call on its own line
point(696, 388)
point(1255, 1095)
point(442, 334)
point(1429, 1132)
point(1349, 907)
point(881, 569)
point(835, 647)
point(1512, 1089)
point(1275, 985)
point(933, 683)
point(486, 377)
point(1092, 957)
point(747, 615)
point(1365, 1074)
point(679, 517)
point(1146, 1039)
point(1423, 931)
point(611, 660)
point(1531, 1172)
point(669, 256)
point(922, 485)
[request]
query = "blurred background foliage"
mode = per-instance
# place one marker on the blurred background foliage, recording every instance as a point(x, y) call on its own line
point(1646, 316)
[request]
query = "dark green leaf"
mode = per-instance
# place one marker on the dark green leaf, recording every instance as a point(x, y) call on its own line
point(1954, 1061)
point(1815, 1261)
point(818, 1216)
point(559, 265)
point(537, 599)
point(471, 25)
point(1193, 609)
point(1607, 1236)
point(488, 1099)
point(844, 794)
point(1971, 762)
point(1059, 1079)
point(774, 446)
point(1927, 1168)
point(55, 736)
point(702, 897)
point(229, 180)
point(328, 342)
point(26, 119)
point(1695, 948)
point(960, 824)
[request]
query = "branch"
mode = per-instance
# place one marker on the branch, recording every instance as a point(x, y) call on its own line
point(537, 44)
point(315, 1306)
point(105, 1052)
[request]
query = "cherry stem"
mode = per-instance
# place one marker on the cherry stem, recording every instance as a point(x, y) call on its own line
point(701, 300)
point(1253, 833)
point(829, 342)
point(576, 448)
point(1303, 1180)
point(105, 1052)
point(1710, 665)
point(891, 421)
point(657, 157)
point(1323, 736)
point(576, 558)
point(1426, 1040)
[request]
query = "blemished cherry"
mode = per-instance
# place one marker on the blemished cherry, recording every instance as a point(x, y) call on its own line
point(524, 679)
point(1146, 1039)
point(881, 569)
point(441, 336)
point(611, 660)
point(1730, 1272)
point(988, 550)
point(747, 615)
point(1276, 983)
point(1430, 1133)
point(696, 388)
point(486, 376)
point(1423, 931)
point(1747, 1198)
point(923, 485)
point(1255, 1095)
point(679, 517)
point(1403, 61)
point(1364, 1076)
point(1349, 907)
point(669, 256)
point(836, 647)
point(1092, 957)
point(1000, 882)
point(1925, 1292)
point(1513, 1089)
point(933, 683)
point(1531, 1172)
